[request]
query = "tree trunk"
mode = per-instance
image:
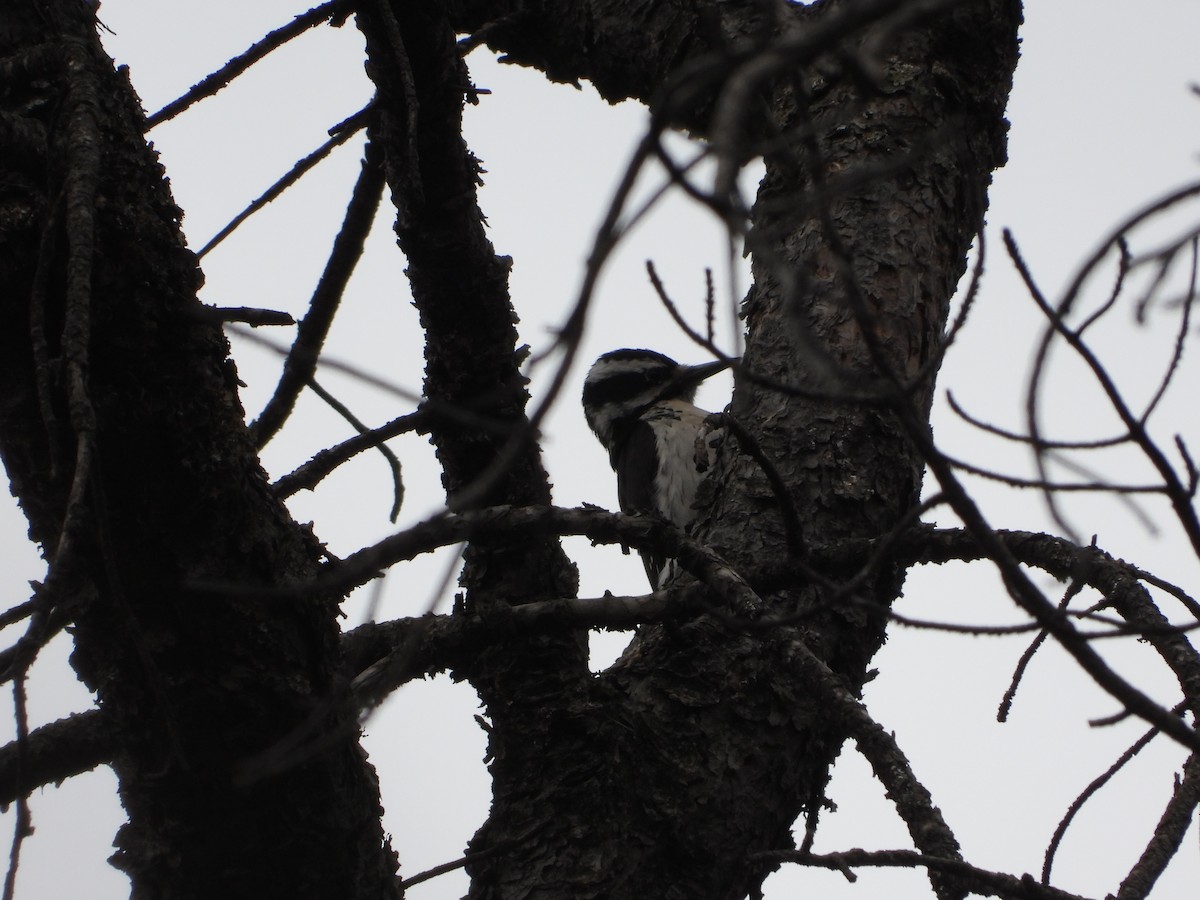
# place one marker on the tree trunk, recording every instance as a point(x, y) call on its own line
point(120, 427)
point(707, 740)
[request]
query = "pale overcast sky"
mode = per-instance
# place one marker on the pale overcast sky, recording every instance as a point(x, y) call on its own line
point(1102, 121)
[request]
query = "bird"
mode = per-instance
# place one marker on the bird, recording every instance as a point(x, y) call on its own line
point(639, 404)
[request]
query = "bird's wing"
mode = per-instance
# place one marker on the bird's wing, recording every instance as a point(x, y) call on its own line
point(636, 463)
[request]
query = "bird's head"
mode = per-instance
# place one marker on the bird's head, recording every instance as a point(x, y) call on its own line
point(622, 384)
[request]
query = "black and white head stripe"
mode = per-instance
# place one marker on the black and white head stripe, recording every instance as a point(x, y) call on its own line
point(621, 383)
point(620, 375)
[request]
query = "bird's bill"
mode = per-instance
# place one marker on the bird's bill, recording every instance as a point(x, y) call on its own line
point(690, 375)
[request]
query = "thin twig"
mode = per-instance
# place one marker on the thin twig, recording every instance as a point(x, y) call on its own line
point(393, 463)
point(1077, 804)
point(249, 315)
point(341, 133)
point(221, 78)
point(23, 824)
point(982, 881)
point(1168, 835)
point(997, 431)
point(1185, 327)
point(1179, 495)
point(301, 362)
point(309, 475)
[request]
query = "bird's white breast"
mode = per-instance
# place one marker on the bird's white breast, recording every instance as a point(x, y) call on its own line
point(677, 424)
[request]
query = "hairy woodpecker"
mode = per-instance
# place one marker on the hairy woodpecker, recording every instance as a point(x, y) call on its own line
point(639, 404)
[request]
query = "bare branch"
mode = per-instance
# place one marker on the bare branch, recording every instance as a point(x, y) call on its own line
point(1056, 315)
point(18, 612)
point(393, 463)
point(480, 525)
point(1077, 804)
point(1031, 599)
point(301, 363)
point(54, 753)
point(1006, 702)
point(1008, 435)
point(309, 475)
point(1117, 581)
point(246, 314)
point(221, 78)
point(978, 881)
point(341, 133)
point(1168, 835)
point(1185, 322)
point(23, 824)
point(926, 827)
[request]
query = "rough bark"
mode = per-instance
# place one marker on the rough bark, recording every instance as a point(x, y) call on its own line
point(705, 744)
point(459, 285)
point(626, 48)
point(138, 476)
